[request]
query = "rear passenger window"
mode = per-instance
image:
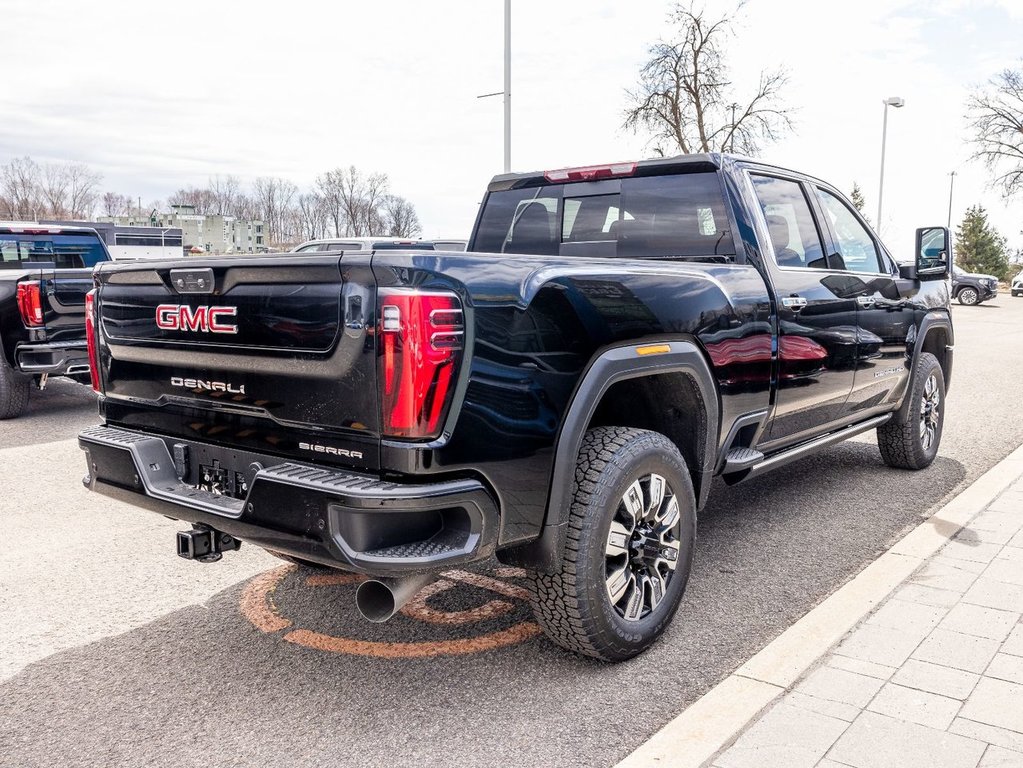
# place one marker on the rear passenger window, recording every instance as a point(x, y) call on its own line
point(855, 245)
point(678, 215)
point(590, 218)
point(794, 234)
point(672, 216)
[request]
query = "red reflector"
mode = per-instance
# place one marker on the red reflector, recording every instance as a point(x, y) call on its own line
point(90, 337)
point(30, 304)
point(590, 172)
point(421, 346)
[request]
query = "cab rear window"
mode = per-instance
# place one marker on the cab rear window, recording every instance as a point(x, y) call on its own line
point(65, 251)
point(675, 216)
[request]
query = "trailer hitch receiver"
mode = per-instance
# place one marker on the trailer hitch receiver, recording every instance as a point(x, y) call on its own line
point(205, 544)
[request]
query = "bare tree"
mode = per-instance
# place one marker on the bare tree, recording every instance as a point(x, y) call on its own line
point(245, 207)
point(374, 195)
point(400, 218)
point(273, 198)
point(200, 198)
point(115, 204)
point(20, 181)
point(330, 187)
point(311, 217)
point(83, 190)
point(54, 184)
point(996, 118)
point(686, 100)
point(350, 190)
point(224, 193)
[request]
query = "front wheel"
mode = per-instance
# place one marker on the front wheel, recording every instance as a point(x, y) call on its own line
point(628, 549)
point(969, 296)
point(911, 441)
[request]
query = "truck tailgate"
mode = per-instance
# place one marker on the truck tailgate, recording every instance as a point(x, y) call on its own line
point(275, 356)
point(64, 307)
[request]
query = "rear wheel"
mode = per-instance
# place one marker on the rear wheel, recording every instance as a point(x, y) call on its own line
point(14, 389)
point(968, 296)
point(911, 442)
point(628, 549)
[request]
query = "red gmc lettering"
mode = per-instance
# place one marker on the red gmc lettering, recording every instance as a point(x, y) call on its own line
point(179, 317)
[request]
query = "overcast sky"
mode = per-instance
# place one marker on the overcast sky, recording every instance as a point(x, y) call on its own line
point(156, 95)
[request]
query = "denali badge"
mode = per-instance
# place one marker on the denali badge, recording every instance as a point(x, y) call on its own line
point(180, 317)
point(212, 386)
point(329, 449)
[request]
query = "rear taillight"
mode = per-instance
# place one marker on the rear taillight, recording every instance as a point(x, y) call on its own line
point(30, 304)
point(90, 337)
point(421, 345)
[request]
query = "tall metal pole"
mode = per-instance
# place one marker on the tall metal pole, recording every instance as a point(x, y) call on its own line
point(507, 86)
point(951, 182)
point(880, 190)
point(891, 101)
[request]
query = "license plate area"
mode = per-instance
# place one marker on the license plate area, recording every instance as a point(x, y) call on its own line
point(223, 481)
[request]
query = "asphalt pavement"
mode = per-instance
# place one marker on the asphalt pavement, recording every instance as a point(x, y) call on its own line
point(115, 651)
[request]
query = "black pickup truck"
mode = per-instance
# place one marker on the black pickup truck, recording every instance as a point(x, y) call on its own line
point(45, 273)
point(561, 395)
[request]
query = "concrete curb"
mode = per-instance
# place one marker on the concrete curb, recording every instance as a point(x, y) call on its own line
point(715, 720)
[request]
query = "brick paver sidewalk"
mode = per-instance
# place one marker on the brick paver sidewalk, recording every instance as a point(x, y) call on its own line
point(931, 679)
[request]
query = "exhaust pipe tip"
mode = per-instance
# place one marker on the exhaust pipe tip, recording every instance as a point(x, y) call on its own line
point(375, 601)
point(379, 599)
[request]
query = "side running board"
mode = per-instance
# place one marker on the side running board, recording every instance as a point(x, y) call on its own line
point(744, 463)
point(740, 459)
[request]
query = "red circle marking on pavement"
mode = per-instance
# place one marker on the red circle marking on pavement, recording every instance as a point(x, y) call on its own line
point(257, 605)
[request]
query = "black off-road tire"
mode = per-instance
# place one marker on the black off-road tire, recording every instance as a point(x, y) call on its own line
point(968, 296)
point(14, 389)
point(573, 605)
point(902, 440)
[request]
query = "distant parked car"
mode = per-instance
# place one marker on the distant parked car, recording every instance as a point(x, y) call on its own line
point(970, 288)
point(380, 244)
point(1017, 284)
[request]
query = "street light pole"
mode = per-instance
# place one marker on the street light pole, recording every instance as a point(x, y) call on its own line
point(507, 86)
point(891, 101)
point(951, 181)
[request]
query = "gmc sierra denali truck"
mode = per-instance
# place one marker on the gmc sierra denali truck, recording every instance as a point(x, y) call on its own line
point(45, 272)
point(561, 395)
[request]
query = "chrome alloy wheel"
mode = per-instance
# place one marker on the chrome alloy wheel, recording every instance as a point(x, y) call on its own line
point(930, 404)
point(642, 547)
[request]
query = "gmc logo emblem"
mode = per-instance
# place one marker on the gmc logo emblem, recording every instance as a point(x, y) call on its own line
point(178, 317)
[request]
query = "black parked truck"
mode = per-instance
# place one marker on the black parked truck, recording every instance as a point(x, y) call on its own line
point(561, 395)
point(45, 273)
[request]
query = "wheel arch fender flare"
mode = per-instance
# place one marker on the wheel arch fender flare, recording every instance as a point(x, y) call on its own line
point(607, 368)
point(931, 322)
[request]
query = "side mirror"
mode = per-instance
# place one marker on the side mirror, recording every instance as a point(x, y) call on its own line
point(932, 253)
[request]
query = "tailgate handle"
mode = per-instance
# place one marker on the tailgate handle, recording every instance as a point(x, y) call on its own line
point(192, 280)
point(353, 313)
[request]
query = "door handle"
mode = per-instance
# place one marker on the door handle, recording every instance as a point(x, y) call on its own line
point(866, 301)
point(795, 303)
